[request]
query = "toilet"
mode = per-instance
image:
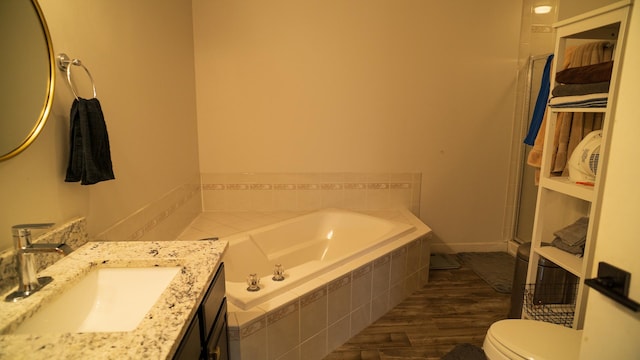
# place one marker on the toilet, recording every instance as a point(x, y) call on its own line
point(531, 339)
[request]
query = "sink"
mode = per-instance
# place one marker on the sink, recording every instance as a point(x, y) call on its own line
point(105, 300)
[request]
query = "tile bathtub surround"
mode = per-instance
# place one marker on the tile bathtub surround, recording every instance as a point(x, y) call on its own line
point(72, 233)
point(159, 220)
point(324, 317)
point(310, 191)
point(158, 334)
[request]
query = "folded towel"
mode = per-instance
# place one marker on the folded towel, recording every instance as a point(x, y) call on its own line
point(581, 89)
point(574, 234)
point(89, 155)
point(586, 74)
point(576, 250)
point(580, 101)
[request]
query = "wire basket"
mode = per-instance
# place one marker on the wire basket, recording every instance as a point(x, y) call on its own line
point(553, 303)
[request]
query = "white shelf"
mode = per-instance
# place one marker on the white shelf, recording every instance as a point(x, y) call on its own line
point(563, 185)
point(560, 200)
point(566, 260)
point(588, 16)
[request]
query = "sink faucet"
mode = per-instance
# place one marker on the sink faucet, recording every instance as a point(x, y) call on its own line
point(28, 282)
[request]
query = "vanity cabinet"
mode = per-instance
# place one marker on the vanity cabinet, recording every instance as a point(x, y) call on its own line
point(206, 336)
point(562, 201)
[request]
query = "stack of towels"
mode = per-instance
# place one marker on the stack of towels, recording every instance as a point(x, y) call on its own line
point(573, 237)
point(583, 86)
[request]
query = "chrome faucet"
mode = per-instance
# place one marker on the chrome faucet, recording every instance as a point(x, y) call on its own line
point(28, 282)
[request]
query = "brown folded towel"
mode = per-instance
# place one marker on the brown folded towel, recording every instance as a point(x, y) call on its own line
point(581, 89)
point(586, 74)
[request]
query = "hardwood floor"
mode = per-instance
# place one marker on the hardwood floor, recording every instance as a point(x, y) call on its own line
point(455, 307)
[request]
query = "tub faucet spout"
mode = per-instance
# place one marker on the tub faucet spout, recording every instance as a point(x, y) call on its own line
point(28, 282)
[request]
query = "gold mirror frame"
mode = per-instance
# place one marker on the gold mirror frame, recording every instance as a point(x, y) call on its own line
point(48, 100)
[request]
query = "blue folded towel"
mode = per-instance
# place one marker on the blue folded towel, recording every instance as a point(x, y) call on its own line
point(89, 155)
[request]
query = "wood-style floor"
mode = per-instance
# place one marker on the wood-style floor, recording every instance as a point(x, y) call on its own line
point(455, 307)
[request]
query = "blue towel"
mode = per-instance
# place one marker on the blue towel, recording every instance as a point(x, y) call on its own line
point(89, 155)
point(541, 104)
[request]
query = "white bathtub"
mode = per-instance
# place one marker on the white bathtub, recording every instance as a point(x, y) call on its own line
point(306, 246)
point(343, 271)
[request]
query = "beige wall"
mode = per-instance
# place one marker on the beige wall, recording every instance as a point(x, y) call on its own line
point(366, 86)
point(140, 54)
point(287, 86)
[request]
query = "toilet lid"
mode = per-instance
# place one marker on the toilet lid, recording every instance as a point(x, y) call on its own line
point(537, 340)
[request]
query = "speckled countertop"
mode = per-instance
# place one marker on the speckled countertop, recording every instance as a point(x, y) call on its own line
point(159, 333)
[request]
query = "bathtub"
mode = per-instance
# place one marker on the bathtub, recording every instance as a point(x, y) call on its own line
point(306, 247)
point(343, 271)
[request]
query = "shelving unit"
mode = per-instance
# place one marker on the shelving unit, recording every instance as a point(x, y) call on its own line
point(560, 201)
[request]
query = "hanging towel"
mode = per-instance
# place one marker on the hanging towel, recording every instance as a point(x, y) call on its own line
point(89, 155)
point(541, 104)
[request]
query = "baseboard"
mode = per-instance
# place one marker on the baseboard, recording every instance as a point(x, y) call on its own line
point(442, 248)
point(512, 247)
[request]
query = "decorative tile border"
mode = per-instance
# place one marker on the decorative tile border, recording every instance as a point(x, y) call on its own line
point(339, 283)
point(282, 312)
point(329, 186)
point(146, 220)
point(313, 296)
point(304, 191)
point(363, 270)
point(253, 327)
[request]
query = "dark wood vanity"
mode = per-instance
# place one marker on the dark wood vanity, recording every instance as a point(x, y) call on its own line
point(206, 337)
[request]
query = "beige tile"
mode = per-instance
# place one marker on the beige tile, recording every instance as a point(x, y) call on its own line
point(250, 322)
point(313, 314)
point(425, 251)
point(262, 200)
point(361, 286)
point(379, 305)
point(396, 293)
point(339, 333)
point(413, 256)
point(253, 346)
point(355, 199)
point(333, 198)
point(293, 354)
point(283, 333)
point(378, 199)
point(285, 200)
point(339, 298)
point(381, 273)
point(412, 283)
point(360, 318)
point(315, 348)
point(398, 265)
point(309, 200)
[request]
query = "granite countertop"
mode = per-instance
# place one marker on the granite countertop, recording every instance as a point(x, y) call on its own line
point(160, 331)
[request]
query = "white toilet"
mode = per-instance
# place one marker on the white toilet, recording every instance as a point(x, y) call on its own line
point(530, 339)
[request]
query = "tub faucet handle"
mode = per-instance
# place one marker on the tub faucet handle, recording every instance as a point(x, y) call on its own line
point(278, 273)
point(254, 282)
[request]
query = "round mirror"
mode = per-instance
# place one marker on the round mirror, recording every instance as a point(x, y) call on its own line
point(27, 70)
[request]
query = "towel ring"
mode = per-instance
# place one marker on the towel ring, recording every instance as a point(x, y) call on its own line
point(64, 64)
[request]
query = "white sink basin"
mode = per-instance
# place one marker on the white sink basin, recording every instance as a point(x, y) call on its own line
point(105, 300)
